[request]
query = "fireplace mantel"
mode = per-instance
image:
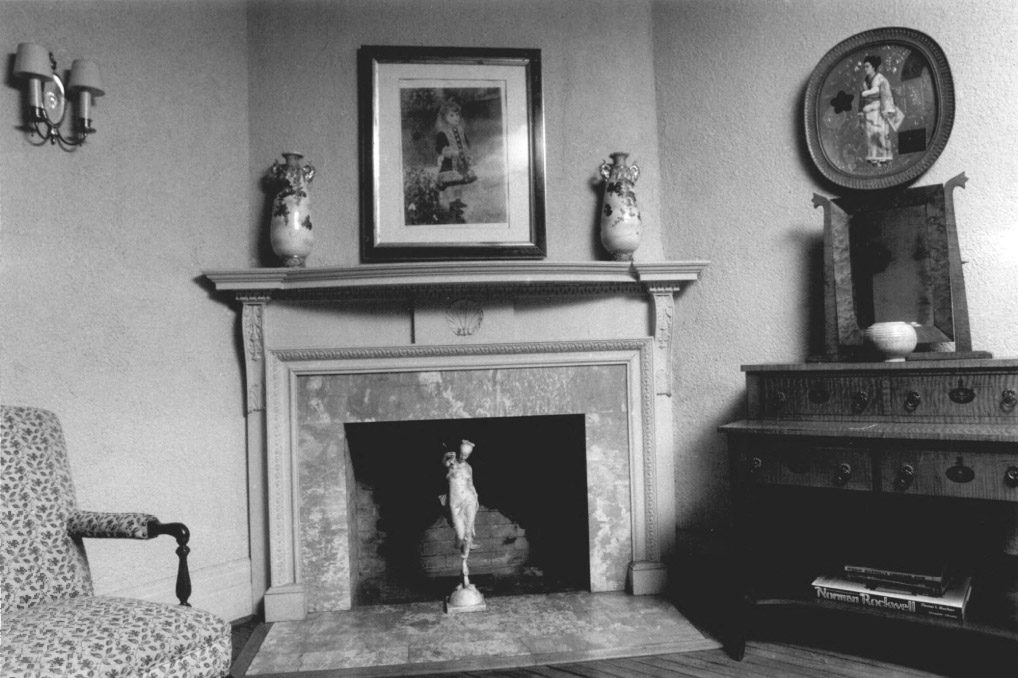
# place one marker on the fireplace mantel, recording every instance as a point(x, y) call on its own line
point(502, 277)
point(598, 316)
point(420, 281)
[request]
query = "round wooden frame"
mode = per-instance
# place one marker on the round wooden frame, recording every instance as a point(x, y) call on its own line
point(837, 136)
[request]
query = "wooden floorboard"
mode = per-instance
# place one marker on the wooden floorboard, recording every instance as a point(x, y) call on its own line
point(714, 664)
point(833, 663)
point(686, 667)
point(762, 660)
point(593, 670)
point(772, 665)
point(804, 666)
point(550, 672)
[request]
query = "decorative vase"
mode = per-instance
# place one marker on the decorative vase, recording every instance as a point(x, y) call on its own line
point(894, 340)
point(290, 227)
point(620, 217)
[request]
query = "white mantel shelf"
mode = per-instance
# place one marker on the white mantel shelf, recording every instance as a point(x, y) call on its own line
point(544, 277)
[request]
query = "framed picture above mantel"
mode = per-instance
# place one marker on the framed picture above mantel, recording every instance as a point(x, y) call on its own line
point(452, 153)
point(879, 109)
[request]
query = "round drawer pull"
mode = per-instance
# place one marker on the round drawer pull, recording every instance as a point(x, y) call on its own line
point(779, 400)
point(1008, 400)
point(843, 474)
point(1011, 476)
point(912, 401)
point(753, 465)
point(904, 477)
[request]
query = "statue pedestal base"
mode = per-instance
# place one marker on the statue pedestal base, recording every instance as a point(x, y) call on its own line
point(465, 599)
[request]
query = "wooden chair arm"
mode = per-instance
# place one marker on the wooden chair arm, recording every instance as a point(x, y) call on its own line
point(179, 532)
point(108, 525)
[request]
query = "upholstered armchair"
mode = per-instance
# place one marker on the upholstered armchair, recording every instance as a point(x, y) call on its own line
point(52, 624)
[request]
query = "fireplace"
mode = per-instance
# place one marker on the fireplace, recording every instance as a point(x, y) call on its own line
point(532, 529)
point(565, 342)
point(321, 397)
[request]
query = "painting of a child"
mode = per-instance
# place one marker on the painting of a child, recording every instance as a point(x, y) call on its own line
point(454, 162)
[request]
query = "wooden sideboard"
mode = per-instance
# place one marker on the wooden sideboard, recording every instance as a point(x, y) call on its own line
point(838, 457)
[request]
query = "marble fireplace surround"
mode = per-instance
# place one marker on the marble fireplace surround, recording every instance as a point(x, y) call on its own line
point(602, 380)
point(622, 386)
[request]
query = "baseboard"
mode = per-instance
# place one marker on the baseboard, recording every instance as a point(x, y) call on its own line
point(223, 589)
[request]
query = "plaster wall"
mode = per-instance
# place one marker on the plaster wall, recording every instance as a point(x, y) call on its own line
point(598, 85)
point(104, 321)
point(737, 183)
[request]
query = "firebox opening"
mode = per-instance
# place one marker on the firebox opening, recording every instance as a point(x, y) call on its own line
point(532, 531)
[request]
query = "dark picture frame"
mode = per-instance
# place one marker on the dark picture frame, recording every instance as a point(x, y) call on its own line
point(451, 153)
point(880, 128)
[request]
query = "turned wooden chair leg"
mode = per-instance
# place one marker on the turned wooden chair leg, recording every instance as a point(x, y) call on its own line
point(179, 532)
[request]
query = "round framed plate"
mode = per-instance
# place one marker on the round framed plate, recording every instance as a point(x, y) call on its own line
point(879, 108)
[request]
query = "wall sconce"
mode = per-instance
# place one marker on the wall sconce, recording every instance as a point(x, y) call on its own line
point(47, 100)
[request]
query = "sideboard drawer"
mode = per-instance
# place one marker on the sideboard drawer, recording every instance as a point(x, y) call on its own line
point(815, 466)
point(967, 397)
point(931, 391)
point(827, 396)
point(951, 474)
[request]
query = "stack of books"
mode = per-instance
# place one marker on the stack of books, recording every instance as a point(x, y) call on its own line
point(930, 591)
point(927, 577)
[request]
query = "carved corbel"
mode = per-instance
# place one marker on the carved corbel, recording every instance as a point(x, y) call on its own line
point(253, 328)
point(663, 300)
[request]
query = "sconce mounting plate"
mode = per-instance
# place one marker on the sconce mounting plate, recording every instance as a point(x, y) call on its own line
point(54, 101)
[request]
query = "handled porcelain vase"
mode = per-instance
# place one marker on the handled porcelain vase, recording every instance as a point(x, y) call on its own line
point(620, 217)
point(290, 226)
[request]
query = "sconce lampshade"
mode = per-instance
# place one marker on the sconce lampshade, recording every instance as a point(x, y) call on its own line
point(32, 61)
point(85, 75)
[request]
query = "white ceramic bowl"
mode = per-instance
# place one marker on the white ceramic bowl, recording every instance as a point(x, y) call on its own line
point(894, 340)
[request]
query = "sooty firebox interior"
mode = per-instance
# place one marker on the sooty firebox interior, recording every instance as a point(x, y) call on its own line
point(532, 532)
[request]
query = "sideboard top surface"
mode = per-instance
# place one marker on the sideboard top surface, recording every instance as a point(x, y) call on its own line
point(985, 432)
point(943, 365)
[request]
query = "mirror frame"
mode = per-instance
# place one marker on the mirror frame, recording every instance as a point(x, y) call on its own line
point(843, 333)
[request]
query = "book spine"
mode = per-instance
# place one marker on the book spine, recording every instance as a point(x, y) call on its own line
point(881, 601)
point(927, 588)
point(863, 571)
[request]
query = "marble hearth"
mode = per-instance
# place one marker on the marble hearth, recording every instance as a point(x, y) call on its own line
point(330, 347)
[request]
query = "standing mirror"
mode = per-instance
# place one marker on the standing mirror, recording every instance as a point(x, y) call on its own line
point(894, 257)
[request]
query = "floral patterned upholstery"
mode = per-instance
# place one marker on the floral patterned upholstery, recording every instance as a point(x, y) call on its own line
point(102, 636)
point(109, 525)
point(51, 623)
